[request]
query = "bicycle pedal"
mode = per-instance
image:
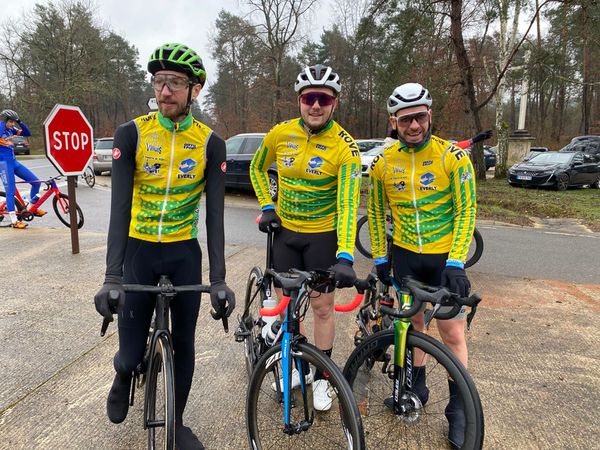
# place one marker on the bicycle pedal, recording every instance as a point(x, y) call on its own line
point(240, 336)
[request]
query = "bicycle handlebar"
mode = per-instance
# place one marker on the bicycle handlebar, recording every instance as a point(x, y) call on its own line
point(295, 278)
point(422, 293)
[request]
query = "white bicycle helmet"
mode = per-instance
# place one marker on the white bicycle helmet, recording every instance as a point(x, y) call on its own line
point(318, 76)
point(407, 96)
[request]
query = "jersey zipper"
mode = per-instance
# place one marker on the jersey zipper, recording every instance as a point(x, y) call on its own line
point(164, 207)
point(414, 194)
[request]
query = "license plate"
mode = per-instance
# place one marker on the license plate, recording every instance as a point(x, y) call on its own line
point(109, 157)
point(523, 177)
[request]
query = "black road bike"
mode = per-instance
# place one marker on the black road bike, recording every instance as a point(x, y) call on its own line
point(156, 373)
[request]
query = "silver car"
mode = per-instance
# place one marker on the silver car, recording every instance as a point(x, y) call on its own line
point(103, 155)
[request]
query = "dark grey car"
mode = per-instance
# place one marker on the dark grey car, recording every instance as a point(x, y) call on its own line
point(240, 151)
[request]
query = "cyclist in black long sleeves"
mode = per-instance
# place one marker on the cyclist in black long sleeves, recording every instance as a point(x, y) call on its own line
point(162, 162)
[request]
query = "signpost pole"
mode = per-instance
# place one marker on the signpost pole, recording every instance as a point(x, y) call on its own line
point(71, 180)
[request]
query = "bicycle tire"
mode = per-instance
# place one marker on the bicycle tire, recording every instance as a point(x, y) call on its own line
point(161, 362)
point(328, 430)
point(252, 304)
point(89, 177)
point(427, 426)
point(475, 249)
point(60, 203)
point(363, 238)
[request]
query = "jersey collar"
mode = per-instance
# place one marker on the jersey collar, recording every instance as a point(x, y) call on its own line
point(177, 126)
point(326, 127)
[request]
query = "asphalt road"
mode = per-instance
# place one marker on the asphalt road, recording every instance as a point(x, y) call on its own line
point(562, 252)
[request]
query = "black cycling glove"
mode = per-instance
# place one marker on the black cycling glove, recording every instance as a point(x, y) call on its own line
point(383, 273)
point(455, 279)
point(108, 303)
point(482, 136)
point(222, 299)
point(344, 273)
point(269, 218)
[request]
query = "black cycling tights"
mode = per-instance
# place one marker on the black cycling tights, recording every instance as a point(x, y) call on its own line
point(144, 263)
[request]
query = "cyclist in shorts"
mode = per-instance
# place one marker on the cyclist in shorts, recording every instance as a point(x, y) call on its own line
point(429, 186)
point(319, 173)
point(9, 166)
point(162, 163)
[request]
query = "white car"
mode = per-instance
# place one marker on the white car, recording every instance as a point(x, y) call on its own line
point(367, 158)
point(365, 145)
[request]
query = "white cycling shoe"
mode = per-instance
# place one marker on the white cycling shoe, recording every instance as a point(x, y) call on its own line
point(308, 379)
point(322, 398)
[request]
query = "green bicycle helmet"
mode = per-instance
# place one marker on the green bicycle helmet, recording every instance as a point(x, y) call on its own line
point(180, 58)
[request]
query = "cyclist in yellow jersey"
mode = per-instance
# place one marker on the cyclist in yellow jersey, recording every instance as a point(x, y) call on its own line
point(429, 186)
point(162, 163)
point(319, 171)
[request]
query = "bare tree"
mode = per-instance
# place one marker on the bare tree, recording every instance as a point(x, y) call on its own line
point(278, 28)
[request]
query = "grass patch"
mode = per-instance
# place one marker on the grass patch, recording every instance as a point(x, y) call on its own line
point(497, 200)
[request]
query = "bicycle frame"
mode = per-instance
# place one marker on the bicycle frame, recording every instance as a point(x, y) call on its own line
point(51, 189)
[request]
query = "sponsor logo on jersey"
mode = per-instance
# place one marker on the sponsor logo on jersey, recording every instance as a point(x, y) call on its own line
point(152, 169)
point(427, 178)
point(315, 162)
point(116, 153)
point(400, 186)
point(288, 161)
point(189, 146)
point(465, 177)
point(428, 188)
point(355, 174)
point(224, 167)
point(320, 147)
point(292, 145)
point(399, 169)
point(457, 152)
point(187, 165)
point(154, 143)
point(427, 163)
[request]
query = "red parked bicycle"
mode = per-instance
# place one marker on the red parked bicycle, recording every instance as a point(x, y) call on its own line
point(60, 204)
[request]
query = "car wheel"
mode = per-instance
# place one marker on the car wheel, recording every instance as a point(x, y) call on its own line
point(97, 172)
point(562, 182)
point(273, 186)
point(596, 184)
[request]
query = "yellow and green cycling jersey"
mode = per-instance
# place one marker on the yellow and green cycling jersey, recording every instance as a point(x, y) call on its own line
point(431, 194)
point(319, 179)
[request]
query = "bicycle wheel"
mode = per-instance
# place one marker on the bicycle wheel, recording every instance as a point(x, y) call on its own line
point(89, 176)
point(159, 403)
point(422, 426)
point(475, 249)
point(60, 203)
point(340, 427)
point(253, 343)
point(363, 238)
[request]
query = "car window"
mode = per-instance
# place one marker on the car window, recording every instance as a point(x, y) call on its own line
point(105, 144)
point(578, 159)
point(233, 145)
point(252, 144)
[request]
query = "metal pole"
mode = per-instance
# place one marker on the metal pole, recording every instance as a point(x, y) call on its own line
point(71, 180)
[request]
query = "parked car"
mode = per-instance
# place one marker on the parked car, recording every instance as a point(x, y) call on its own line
point(240, 151)
point(364, 145)
point(21, 145)
point(556, 169)
point(367, 158)
point(589, 145)
point(102, 159)
point(489, 156)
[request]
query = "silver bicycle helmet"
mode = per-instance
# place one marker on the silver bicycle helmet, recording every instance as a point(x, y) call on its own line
point(408, 95)
point(9, 114)
point(318, 75)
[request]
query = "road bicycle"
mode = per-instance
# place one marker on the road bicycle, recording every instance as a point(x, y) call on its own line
point(363, 240)
point(276, 414)
point(384, 368)
point(88, 176)
point(156, 372)
point(60, 204)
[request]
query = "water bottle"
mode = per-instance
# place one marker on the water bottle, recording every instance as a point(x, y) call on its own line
point(272, 332)
point(268, 302)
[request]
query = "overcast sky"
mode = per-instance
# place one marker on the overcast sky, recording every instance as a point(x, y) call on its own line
point(147, 24)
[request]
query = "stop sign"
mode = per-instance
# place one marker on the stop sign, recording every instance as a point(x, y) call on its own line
point(69, 139)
